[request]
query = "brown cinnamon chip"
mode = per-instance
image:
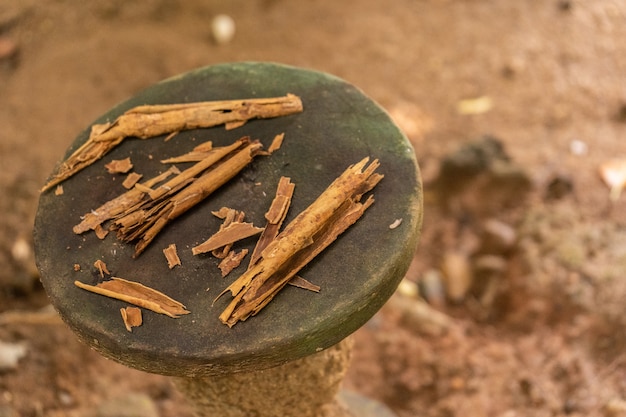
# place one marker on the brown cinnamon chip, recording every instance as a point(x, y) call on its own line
point(119, 166)
point(232, 261)
point(223, 213)
point(100, 232)
point(232, 233)
point(101, 267)
point(170, 136)
point(276, 143)
point(229, 216)
point(132, 317)
point(298, 281)
point(172, 256)
point(131, 179)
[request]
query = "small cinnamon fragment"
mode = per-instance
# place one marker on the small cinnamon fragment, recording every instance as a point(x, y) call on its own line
point(232, 233)
point(131, 179)
point(298, 281)
point(100, 232)
point(232, 261)
point(119, 166)
point(170, 136)
point(229, 216)
point(223, 212)
point(275, 217)
point(132, 317)
point(172, 256)
point(101, 267)
point(276, 143)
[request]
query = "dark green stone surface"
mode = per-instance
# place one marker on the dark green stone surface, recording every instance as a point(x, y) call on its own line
point(357, 273)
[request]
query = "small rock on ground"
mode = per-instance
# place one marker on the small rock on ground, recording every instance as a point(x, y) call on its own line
point(7, 411)
point(131, 405)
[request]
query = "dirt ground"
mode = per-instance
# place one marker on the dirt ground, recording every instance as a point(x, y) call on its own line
point(523, 255)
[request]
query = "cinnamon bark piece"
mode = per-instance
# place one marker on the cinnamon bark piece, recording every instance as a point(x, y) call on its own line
point(232, 233)
point(171, 255)
point(119, 166)
point(169, 201)
point(274, 216)
point(131, 179)
point(232, 261)
point(137, 294)
point(155, 120)
point(305, 237)
point(118, 205)
point(131, 317)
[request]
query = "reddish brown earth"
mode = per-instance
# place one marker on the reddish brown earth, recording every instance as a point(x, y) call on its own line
point(543, 336)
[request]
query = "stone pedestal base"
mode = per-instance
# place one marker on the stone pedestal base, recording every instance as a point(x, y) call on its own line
point(306, 387)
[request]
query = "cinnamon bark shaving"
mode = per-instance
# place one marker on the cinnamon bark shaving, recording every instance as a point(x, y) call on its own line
point(276, 143)
point(274, 216)
point(232, 229)
point(100, 232)
point(131, 179)
point(232, 261)
point(137, 294)
point(197, 154)
point(119, 166)
point(337, 208)
point(155, 120)
point(101, 267)
point(298, 281)
point(228, 215)
point(230, 234)
point(225, 212)
point(132, 317)
point(171, 255)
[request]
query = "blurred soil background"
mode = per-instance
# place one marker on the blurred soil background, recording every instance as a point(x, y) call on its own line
point(515, 304)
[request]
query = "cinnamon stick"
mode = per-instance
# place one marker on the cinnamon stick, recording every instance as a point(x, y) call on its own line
point(155, 120)
point(305, 237)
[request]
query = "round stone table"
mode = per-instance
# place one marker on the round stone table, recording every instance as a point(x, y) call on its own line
point(338, 127)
